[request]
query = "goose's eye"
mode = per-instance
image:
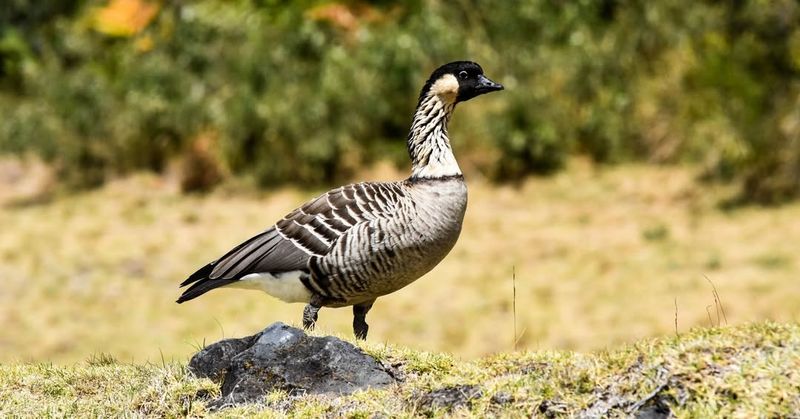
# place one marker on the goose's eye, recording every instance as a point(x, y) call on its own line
point(463, 75)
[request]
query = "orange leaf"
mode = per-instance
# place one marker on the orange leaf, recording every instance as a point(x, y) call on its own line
point(124, 17)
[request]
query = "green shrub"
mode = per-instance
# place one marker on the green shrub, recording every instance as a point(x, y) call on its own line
point(308, 92)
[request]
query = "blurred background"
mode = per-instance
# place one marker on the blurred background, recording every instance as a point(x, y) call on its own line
point(642, 154)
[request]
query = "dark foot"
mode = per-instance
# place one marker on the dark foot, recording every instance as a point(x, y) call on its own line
point(310, 316)
point(360, 326)
point(311, 310)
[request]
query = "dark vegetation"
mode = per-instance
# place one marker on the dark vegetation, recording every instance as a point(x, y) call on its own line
point(306, 92)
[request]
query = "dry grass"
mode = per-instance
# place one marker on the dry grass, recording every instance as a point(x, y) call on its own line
point(601, 257)
point(743, 371)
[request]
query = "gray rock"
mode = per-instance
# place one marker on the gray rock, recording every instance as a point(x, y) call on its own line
point(657, 410)
point(449, 398)
point(552, 408)
point(213, 361)
point(285, 358)
point(502, 398)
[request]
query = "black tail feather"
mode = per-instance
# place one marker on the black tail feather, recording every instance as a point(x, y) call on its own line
point(201, 283)
point(201, 287)
point(201, 273)
point(242, 260)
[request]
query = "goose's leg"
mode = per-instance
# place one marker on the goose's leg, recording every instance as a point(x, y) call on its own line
point(310, 312)
point(360, 326)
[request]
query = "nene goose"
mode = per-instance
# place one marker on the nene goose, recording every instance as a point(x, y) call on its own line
point(361, 241)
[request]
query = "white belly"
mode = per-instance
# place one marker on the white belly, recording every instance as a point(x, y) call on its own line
point(285, 286)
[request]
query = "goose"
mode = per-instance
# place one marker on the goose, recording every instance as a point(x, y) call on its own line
point(362, 241)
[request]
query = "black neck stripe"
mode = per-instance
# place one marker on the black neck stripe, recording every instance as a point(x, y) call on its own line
point(420, 179)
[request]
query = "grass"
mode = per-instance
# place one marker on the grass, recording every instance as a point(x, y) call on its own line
point(742, 371)
point(602, 258)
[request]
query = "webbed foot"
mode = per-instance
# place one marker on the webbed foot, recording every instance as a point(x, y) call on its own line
point(360, 326)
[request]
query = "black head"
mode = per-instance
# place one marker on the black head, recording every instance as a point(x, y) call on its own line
point(459, 81)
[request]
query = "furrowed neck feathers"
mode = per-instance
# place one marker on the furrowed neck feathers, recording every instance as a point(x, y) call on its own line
point(428, 143)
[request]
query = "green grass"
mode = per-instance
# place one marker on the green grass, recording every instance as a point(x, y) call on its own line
point(743, 371)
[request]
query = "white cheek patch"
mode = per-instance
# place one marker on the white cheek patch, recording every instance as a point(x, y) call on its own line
point(446, 88)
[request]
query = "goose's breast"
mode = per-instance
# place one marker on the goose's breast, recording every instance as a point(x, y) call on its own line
point(389, 253)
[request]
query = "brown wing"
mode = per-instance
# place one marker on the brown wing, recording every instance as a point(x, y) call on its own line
point(307, 231)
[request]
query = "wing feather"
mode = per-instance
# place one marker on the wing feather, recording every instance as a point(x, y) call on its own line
point(304, 233)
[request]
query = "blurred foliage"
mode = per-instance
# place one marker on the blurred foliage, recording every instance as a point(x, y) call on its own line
point(309, 91)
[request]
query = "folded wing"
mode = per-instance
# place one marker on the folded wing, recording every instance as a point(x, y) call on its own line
point(308, 231)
